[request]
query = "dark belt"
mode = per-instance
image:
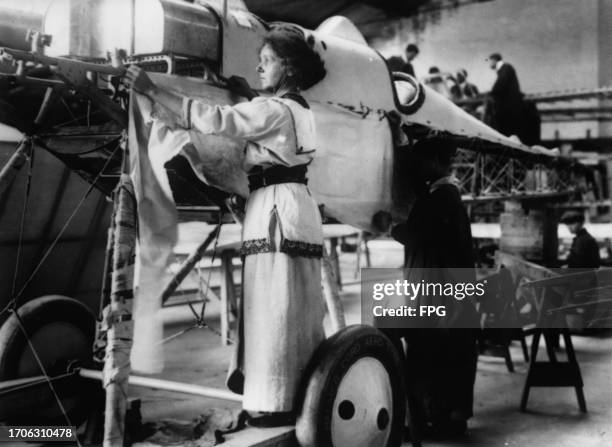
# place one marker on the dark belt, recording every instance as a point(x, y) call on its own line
point(276, 175)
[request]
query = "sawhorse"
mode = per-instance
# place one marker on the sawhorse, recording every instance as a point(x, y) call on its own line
point(553, 294)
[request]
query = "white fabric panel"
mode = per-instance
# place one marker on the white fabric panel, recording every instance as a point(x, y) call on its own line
point(157, 227)
point(340, 26)
point(356, 75)
point(438, 112)
point(352, 171)
point(350, 174)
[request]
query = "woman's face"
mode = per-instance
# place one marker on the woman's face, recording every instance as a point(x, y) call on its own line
point(270, 68)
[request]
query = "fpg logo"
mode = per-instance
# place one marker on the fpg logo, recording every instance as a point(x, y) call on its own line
point(428, 311)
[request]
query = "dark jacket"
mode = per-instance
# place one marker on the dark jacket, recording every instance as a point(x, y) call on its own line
point(441, 361)
point(438, 249)
point(468, 90)
point(584, 252)
point(507, 102)
point(437, 233)
point(396, 63)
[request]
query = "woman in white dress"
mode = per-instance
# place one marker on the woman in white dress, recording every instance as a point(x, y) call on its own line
point(282, 236)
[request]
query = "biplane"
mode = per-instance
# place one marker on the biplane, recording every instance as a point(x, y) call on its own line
point(60, 86)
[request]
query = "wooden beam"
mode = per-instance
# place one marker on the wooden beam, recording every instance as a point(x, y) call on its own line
point(331, 293)
point(227, 293)
point(189, 264)
point(120, 331)
point(262, 437)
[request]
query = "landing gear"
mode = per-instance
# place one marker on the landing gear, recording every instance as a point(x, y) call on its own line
point(352, 394)
point(61, 330)
point(355, 394)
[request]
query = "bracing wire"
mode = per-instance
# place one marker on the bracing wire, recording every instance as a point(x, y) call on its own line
point(212, 260)
point(65, 226)
point(26, 197)
point(199, 319)
point(13, 303)
point(74, 118)
point(79, 118)
point(44, 371)
point(85, 152)
point(177, 334)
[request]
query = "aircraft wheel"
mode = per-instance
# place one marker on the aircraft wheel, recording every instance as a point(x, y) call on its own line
point(61, 331)
point(354, 395)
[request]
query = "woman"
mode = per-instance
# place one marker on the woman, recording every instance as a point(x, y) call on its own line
point(282, 234)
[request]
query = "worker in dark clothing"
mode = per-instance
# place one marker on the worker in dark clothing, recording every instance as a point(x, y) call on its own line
point(507, 99)
point(438, 232)
point(584, 253)
point(404, 63)
point(441, 359)
point(583, 257)
point(467, 89)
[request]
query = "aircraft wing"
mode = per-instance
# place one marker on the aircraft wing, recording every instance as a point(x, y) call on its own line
point(433, 113)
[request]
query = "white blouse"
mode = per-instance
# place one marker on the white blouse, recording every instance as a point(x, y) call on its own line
point(278, 131)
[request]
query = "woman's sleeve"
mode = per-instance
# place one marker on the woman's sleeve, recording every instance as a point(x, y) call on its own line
point(248, 120)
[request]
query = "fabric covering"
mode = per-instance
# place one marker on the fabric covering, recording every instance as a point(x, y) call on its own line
point(347, 141)
point(157, 220)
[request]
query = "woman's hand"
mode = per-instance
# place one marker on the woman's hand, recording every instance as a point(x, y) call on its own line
point(139, 80)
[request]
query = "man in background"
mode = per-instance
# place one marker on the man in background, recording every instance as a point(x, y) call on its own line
point(583, 257)
point(507, 99)
point(467, 90)
point(584, 252)
point(404, 63)
point(464, 91)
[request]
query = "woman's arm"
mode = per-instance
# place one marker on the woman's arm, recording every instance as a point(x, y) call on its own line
point(248, 120)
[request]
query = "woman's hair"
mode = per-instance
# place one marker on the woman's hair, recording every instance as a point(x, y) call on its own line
point(290, 44)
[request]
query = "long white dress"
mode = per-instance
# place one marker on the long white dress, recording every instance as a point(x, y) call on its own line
point(282, 241)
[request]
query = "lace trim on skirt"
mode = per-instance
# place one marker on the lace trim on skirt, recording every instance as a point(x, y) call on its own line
point(292, 248)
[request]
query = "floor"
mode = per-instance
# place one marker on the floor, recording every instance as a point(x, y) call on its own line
point(553, 419)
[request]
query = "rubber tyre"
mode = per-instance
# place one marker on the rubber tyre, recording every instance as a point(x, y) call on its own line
point(48, 320)
point(329, 365)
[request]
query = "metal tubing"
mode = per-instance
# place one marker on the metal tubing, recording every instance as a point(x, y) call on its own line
point(9, 384)
point(169, 385)
point(64, 62)
point(11, 168)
